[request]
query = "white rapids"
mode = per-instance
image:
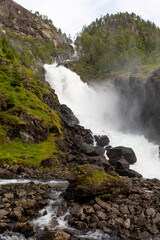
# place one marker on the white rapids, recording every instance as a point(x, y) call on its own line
point(97, 108)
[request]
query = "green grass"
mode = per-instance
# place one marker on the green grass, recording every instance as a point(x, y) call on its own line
point(28, 153)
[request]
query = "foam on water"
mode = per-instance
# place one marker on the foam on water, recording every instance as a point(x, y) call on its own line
point(97, 108)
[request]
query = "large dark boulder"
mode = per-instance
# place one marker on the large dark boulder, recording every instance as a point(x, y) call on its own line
point(99, 161)
point(91, 150)
point(68, 116)
point(92, 181)
point(119, 152)
point(102, 141)
point(129, 173)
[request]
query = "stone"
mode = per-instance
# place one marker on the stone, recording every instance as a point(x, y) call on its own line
point(21, 193)
point(107, 230)
point(102, 141)
point(88, 149)
point(122, 163)
point(101, 215)
point(89, 210)
point(8, 195)
point(94, 218)
point(124, 209)
point(3, 213)
point(68, 116)
point(25, 136)
point(50, 162)
point(4, 174)
point(157, 218)
point(150, 212)
point(104, 205)
point(75, 209)
point(80, 213)
point(26, 228)
point(125, 152)
point(129, 173)
point(17, 213)
point(3, 227)
point(96, 207)
point(152, 229)
point(127, 223)
point(80, 225)
point(61, 235)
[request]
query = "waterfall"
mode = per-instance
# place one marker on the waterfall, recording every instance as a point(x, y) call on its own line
point(98, 108)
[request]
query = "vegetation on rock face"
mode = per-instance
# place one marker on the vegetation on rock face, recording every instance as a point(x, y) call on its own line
point(116, 42)
point(24, 117)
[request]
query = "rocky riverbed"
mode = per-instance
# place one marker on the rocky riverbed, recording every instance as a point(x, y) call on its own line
point(126, 209)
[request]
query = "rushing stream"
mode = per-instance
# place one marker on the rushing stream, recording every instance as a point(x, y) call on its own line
point(97, 108)
point(50, 215)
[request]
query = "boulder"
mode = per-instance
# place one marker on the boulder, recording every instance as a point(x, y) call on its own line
point(88, 149)
point(125, 152)
point(50, 162)
point(102, 141)
point(99, 161)
point(91, 150)
point(26, 228)
point(3, 227)
point(122, 163)
point(4, 174)
point(129, 173)
point(68, 117)
point(49, 234)
point(92, 181)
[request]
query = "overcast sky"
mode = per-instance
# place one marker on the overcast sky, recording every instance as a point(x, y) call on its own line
point(72, 15)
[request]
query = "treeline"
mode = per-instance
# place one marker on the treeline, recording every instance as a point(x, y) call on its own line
point(117, 42)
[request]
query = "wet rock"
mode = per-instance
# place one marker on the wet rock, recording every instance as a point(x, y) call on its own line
point(125, 152)
point(99, 161)
point(94, 185)
point(3, 227)
point(80, 214)
point(26, 228)
point(74, 209)
point(80, 225)
point(102, 141)
point(4, 174)
point(129, 173)
point(17, 213)
point(60, 235)
point(122, 163)
point(88, 149)
point(68, 116)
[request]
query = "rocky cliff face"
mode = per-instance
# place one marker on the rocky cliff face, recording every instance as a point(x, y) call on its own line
point(24, 23)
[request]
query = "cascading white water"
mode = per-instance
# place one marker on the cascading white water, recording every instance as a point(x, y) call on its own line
point(97, 108)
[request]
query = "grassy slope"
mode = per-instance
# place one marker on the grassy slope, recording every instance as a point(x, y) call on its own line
point(15, 79)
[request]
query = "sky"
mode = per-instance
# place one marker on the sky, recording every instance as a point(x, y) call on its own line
point(72, 15)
